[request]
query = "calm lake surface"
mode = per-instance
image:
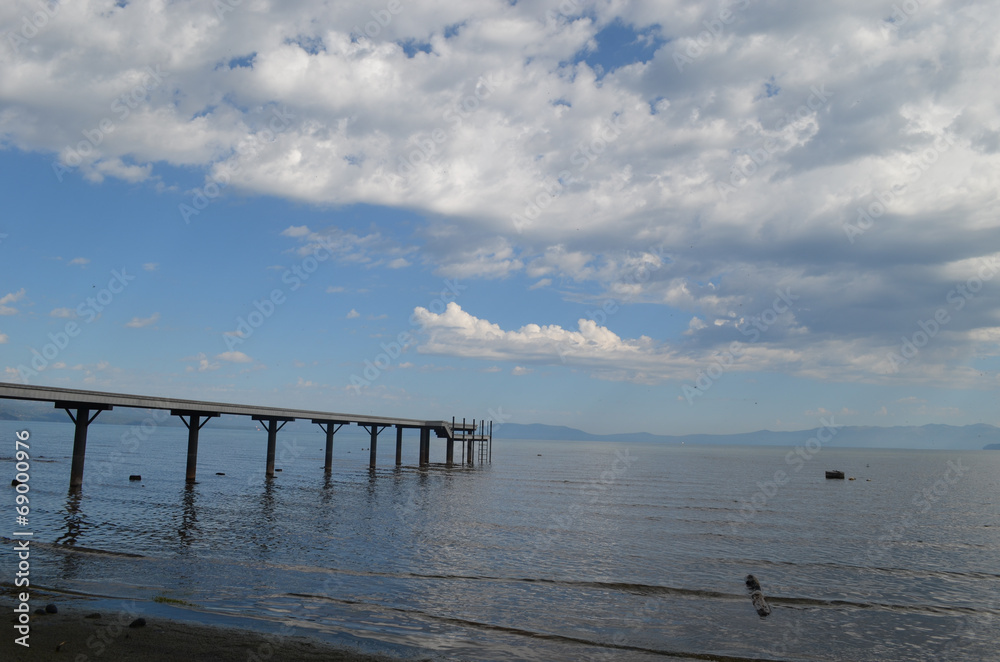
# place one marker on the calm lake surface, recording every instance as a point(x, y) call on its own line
point(555, 551)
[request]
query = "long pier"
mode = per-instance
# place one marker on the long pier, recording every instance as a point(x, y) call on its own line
point(84, 407)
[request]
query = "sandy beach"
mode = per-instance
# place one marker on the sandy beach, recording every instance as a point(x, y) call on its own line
point(75, 634)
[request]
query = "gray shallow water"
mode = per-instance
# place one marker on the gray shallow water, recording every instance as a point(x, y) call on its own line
point(591, 550)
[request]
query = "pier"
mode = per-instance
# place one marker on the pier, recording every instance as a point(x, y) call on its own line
point(83, 407)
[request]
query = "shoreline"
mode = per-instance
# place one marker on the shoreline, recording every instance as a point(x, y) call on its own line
point(75, 634)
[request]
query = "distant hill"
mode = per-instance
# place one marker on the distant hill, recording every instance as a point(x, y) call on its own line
point(933, 436)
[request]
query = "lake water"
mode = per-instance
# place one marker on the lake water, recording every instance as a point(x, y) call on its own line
point(555, 551)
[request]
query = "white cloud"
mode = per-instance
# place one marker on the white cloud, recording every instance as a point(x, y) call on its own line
point(78, 262)
point(353, 314)
point(335, 289)
point(3, 338)
point(296, 231)
point(204, 364)
point(140, 322)
point(519, 370)
point(234, 357)
point(564, 171)
point(12, 297)
point(151, 266)
point(63, 312)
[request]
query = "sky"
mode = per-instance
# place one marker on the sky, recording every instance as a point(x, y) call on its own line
point(672, 216)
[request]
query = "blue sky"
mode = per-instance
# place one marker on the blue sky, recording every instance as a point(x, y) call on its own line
point(672, 217)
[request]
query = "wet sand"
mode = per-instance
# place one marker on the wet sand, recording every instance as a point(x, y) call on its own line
point(70, 635)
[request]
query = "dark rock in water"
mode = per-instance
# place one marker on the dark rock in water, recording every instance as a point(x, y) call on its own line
point(138, 623)
point(39, 612)
point(219, 473)
point(277, 469)
point(763, 609)
point(94, 615)
point(135, 477)
point(757, 597)
point(51, 609)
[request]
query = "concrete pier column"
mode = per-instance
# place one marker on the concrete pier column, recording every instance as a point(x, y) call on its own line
point(399, 445)
point(373, 430)
point(471, 445)
point(425, 446)
point(449, 453)
point(83, 419)
point(331, 429)
point(270, 424)
point(194, 425)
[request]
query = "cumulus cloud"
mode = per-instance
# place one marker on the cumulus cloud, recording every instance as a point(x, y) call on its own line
point(857, 166)
point(353, 314)
point(11, 297)
point(78, 262)
point(203, 363)
point(63, 312)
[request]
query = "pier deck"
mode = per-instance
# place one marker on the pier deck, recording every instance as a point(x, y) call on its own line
point(87, 405)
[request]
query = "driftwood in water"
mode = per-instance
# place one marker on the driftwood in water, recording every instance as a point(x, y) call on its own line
point(757, 597)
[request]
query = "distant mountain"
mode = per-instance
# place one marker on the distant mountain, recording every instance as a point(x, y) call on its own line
point(933, 436)
point(991, 447)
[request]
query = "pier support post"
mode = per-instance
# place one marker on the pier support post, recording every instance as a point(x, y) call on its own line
point(399, 445)
point(373, 430)
point(270, 424)
point(425, 446)
point(449, 453)
point(331, 429)
point(193, 426)
point(83, 419)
